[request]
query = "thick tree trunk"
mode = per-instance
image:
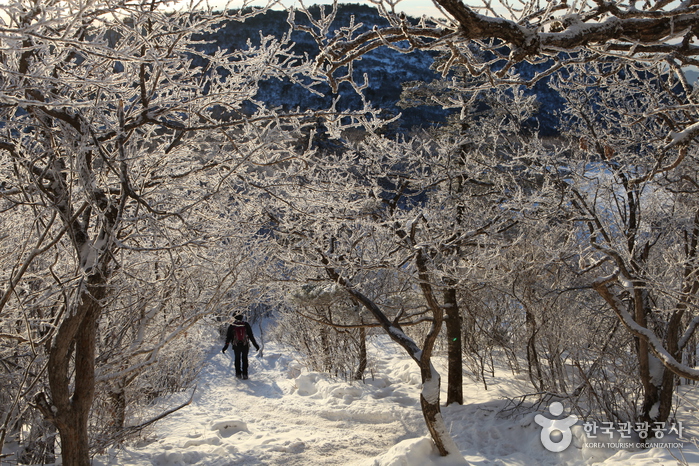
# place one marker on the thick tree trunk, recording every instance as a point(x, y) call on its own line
point(667, 386)
point(433, 419)
point(75, 443)
point(452, 320)
point(431, 411)
point(657, 394)
point(71, 373)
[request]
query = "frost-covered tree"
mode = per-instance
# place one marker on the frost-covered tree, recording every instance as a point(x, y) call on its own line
point(632, 194)
point(330, 218)
point(612, 46)
point(609, 206)
point(428, 212)
point(124, 150)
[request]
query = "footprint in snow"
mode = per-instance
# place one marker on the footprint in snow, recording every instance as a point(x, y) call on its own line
point(228, 428)
point(289, 447)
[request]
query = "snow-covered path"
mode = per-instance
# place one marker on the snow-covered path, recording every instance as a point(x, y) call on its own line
point(301, 432)
point(285, 415)
point(281, 416)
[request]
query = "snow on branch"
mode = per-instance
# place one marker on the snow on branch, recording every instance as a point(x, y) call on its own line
point(557, 33)
point(668, 360)
point(685, 136)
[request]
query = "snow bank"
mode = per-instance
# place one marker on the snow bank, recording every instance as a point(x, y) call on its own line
point(410, 452)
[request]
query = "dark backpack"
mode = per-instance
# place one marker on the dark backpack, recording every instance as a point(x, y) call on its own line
point(240, 335)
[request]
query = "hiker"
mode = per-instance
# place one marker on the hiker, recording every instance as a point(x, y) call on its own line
point(240, 336)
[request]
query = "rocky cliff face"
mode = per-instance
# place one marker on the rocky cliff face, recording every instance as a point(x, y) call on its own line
point(385, 69)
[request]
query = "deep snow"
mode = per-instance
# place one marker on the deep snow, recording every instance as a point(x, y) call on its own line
point(285, 415)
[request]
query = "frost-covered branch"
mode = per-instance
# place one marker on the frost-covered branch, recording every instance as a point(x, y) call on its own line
point(647, 335)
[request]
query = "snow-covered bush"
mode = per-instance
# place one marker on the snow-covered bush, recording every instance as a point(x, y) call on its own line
point(323, 326)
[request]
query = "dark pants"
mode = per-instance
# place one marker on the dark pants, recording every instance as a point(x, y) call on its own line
point(241, 360)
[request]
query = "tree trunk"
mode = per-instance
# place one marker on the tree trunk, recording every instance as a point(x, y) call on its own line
point(657, 399)
point(452, 320)
point(117, 397)
point(73, 385)
point(359, 374)
point(326, 362)
point(429, 402)
point(432, 415)
point(558, 375)
point(429, 397)
point(533, 363)
point(75, 443)
point(667, 386)
point(657, 395)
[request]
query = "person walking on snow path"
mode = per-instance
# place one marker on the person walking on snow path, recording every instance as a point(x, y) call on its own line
point(239, 336)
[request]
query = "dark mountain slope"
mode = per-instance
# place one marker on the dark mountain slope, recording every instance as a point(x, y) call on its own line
point(385, 69)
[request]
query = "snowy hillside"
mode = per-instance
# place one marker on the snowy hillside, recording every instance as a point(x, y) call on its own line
point(284, 415)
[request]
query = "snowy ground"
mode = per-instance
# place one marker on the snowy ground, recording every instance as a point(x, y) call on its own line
point(284, 415)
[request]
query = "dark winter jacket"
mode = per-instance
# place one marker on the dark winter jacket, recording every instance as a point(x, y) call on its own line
point(230, 334)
